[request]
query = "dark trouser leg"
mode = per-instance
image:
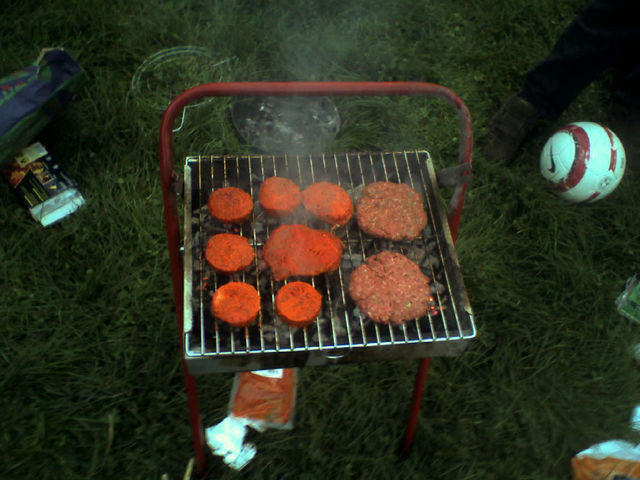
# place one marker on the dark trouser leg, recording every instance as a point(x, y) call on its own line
point(628, 92)
point(603, 34)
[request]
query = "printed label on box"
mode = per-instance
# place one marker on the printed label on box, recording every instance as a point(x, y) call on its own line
point(41, 184)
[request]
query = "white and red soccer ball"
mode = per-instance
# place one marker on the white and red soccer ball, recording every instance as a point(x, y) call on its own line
point(583, 161)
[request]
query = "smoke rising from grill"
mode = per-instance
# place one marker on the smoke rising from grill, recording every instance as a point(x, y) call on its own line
point(318, 42)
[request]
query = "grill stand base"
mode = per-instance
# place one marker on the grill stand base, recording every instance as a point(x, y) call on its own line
point(166, 161)
point(197, 433)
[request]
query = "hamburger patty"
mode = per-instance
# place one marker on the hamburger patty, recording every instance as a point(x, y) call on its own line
point(390, 288)
point(279, 196)
point(298, 304)
point(297, 250)
point(236, 303)
point(329, 202)
point(391, 210)
point(230, 205)
point(229, 253)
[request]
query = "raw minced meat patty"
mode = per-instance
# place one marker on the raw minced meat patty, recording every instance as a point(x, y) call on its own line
point(391, 210)
point(390, 288)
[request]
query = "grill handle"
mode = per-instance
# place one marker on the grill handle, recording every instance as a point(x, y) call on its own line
point(250, 89)
point(253, 89)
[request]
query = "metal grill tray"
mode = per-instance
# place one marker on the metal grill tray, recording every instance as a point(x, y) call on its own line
point(341, 333)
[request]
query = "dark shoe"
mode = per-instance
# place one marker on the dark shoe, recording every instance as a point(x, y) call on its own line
point(509, 128)
point(625, 123)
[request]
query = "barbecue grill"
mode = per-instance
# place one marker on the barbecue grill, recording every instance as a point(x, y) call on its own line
point(341, 333)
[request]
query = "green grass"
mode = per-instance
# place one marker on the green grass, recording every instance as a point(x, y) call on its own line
point(91, 383)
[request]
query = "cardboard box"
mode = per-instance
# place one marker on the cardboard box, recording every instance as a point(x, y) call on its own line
point(42, 185)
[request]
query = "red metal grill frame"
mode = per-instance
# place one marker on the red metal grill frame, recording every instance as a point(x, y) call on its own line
point(250, 89)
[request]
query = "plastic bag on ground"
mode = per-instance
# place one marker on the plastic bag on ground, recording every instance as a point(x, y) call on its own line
point(265, 398)
point(612, 460)
point(260, 399)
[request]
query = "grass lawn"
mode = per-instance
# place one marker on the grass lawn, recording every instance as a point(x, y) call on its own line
point(91, 385)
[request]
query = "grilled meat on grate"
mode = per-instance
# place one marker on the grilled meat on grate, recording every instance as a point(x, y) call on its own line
point(390, 288)
point(391, 210)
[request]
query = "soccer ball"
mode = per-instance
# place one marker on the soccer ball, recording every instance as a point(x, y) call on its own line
point(583, 161)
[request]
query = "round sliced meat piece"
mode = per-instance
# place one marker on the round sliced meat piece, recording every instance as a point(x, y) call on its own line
point(297, 250)
point(230, 205)
point(279, 196)
point(390, 288)
point(391, 210)
point(298, 304)
point(236, 303)
point(229, 253)
point(329, 202)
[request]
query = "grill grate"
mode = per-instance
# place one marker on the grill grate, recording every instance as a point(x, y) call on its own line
point(341, 333)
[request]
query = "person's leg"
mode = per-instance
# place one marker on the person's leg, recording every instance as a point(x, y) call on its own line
point(628, 92)
point(604, 33)
point(599, 37)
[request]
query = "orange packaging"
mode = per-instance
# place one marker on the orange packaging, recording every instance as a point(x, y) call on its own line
point(612, 460)
point(265, 397)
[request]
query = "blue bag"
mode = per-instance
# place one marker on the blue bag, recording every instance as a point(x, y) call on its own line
point(30, 98)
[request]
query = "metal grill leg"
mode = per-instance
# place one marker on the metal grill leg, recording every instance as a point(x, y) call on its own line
point(194, 420)
point(416, 401)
